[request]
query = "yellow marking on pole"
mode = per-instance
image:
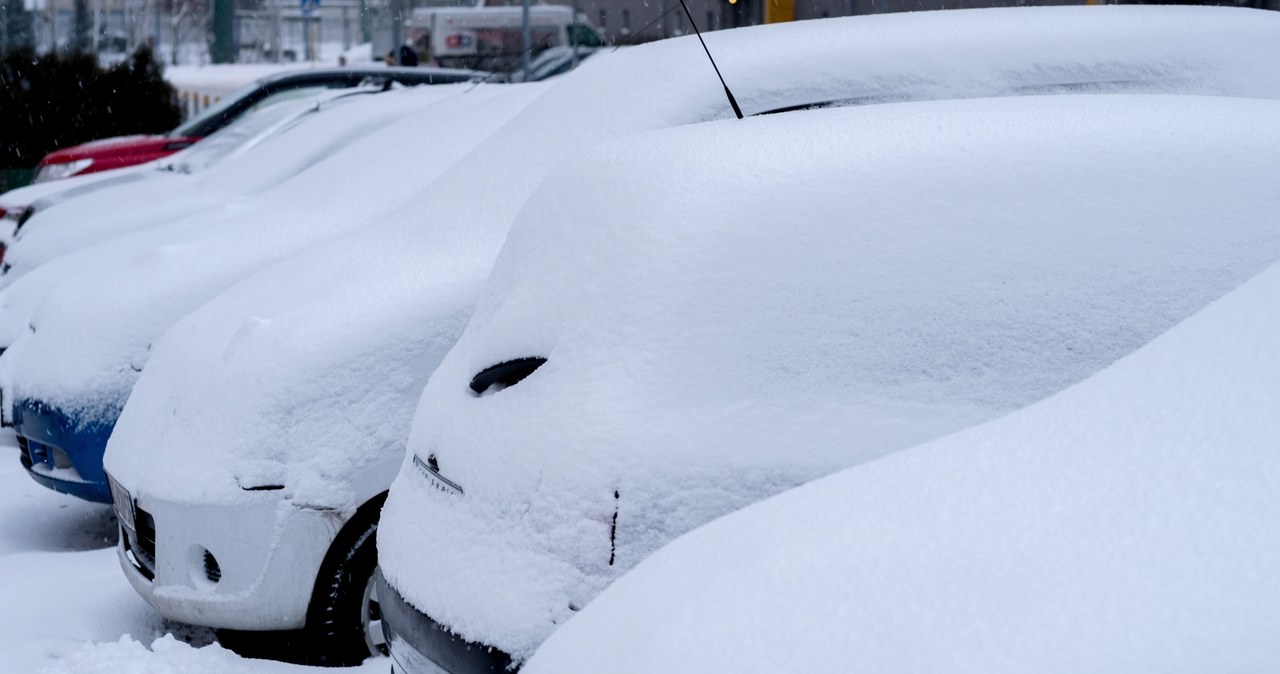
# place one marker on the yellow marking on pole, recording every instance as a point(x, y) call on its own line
point(778, 11)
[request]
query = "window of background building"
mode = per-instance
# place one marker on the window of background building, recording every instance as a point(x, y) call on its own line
point(679, 27)
point(711, 20)
point(626, 20)
point(604, 18)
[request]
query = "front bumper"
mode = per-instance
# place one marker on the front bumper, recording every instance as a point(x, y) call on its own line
point(249, 565)
point(420, 645)
point(62, 451)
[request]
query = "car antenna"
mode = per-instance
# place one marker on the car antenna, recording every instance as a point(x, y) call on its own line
point(733, 103)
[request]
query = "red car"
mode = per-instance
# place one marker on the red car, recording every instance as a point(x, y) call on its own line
point(113, 153)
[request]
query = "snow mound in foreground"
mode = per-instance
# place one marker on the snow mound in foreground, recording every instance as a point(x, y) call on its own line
point(168, 655)
point(1127, 524)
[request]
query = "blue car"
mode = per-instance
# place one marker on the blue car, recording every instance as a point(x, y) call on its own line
point(63, 450)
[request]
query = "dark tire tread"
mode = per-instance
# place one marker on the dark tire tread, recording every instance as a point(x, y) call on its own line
point(334, 633)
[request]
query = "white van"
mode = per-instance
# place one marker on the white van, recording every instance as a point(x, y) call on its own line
point(492, 35)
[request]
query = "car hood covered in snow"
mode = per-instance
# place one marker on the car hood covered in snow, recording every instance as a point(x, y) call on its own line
point(407, 288)
point(1125, 525)
point(93, 330)
point(823, 288)
point(277, 380)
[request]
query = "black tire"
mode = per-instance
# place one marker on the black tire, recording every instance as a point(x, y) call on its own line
point(344, 621)
point(343, 626)
point(284, 645)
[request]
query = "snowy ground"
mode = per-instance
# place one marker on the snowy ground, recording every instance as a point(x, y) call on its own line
point(68, 608)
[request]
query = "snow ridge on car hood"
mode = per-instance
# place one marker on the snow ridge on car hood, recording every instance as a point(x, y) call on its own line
point(822, 288)
point(1124, 525)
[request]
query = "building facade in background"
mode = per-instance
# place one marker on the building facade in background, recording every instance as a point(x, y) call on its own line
point(185, 31)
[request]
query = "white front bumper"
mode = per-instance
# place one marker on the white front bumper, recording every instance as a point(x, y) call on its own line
point(268, 552)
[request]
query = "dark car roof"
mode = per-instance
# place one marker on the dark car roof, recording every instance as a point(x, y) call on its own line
point(336, 78)
point(357, 75)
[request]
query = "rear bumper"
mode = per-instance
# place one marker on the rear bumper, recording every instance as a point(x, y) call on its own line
point(420, 645)
point(62, 452)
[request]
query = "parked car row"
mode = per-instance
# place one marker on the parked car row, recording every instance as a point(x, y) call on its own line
point(114, 153)
point(425, 371)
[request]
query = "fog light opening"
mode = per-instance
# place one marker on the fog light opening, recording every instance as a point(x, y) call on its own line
point(212, 571)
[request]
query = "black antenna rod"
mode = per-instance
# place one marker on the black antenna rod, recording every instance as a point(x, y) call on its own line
point(733, 103)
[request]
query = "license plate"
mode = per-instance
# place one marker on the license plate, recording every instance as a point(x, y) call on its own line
point(123, 504)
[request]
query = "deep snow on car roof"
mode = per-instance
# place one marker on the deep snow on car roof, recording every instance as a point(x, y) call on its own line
point(823, 288)
point(1126, 524)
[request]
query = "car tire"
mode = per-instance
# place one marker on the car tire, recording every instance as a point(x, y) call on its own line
point(343, 621)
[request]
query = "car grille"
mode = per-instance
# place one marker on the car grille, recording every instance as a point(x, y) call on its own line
point(25, 448)
point(35, 453)
point(141, 544)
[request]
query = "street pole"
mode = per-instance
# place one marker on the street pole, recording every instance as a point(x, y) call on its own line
point(224, 28)
point(157, 27)
point(397, 27)
point(277, 54)
point(346, 29)
point(97, 23)
point(526, 39)
point(573, 37)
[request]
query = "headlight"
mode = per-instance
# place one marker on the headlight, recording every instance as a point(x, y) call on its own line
point(59, 171)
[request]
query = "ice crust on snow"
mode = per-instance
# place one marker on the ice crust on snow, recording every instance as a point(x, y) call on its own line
point(1125, 525)
point(824, 288)
point(94, 329)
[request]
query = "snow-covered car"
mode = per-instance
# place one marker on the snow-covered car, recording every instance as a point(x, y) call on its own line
point(236, 137)
point(114, 153)
point(69, 373)
point(322, 370)
point(246, 158)
point(288, 558)
point(17, 207)
point(826, 287)
point(1126, 524)
point(224, 177)
point(555, 61)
